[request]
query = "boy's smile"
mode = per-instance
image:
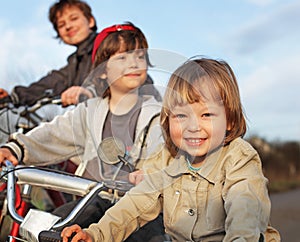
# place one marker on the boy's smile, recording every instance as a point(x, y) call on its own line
point(198, 128)
point(126, 71)
point(73, 26)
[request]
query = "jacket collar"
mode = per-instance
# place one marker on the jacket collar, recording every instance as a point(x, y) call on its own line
point(179, 166)
point(87, 45)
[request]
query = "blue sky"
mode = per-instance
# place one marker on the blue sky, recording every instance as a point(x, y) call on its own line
point(258, 38)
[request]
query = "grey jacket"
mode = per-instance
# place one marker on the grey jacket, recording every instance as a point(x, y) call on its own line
point(79, 132)
point(73, 74)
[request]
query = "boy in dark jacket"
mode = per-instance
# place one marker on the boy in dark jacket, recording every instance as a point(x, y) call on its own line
point(75, 25)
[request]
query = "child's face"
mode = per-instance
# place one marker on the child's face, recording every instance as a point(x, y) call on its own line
point(73, 27)
point(198, 128)
point(126, 71)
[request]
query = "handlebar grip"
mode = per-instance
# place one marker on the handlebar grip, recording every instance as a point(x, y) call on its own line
point(82, 98)
point(53, 236)
point(46, 236)
point(5, 100)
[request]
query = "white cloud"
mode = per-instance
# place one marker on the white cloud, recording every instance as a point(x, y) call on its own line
point(28, 48)
point(276, 73)
point(271, 98)
point(267, 29)
point(27, 54)
point(263, 50)
point(267, 54)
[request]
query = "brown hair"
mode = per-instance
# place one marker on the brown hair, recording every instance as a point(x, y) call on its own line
point(185, 87)
point(61, 5)
point(124, 40)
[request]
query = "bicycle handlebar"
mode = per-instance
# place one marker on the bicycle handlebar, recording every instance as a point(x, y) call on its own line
point(40, 103)
point(51, 179)
point(54, 180)
point(5, 102)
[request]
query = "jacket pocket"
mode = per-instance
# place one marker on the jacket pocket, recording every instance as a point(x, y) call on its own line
point(215, 213)
point(172, 195)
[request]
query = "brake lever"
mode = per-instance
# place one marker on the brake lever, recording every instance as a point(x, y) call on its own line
point(125, 161)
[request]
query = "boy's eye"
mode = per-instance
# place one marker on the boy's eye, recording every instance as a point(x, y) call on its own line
point(73, 18)
point(60, 25)
point(141, 56)
point(120, 57)
point(179, 116)
point(207, 115)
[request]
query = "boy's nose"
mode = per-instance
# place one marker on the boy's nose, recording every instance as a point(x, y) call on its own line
point(68, 25)
point(132, 61)
point(194, 128)
point(194, 125)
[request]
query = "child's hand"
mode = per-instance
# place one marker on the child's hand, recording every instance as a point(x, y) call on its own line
point(5, 154)
point(136, 177)
point(72, 95)
point(3, 93)
point(80, 235)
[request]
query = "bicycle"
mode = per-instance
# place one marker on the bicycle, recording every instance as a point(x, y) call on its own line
point(27, 120)
point(30, 228)
point(114, 155)
point(111, 151)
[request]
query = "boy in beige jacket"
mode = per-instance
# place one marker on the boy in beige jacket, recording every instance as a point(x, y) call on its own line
point(212, 187)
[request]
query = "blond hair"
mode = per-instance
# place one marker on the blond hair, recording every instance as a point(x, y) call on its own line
point(184, 87)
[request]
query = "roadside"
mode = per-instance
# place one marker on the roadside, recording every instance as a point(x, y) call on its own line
point(285, 214)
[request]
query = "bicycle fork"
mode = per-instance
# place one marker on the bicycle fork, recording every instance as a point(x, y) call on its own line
point(21, 208)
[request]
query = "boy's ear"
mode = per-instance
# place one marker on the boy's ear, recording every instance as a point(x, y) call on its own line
point(92, 23)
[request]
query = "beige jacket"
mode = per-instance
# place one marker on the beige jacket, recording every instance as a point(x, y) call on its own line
point(227, 200)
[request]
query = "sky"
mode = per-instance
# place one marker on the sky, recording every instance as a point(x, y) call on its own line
point(258, 38)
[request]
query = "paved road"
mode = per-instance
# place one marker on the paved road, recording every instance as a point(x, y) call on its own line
point(285, 215)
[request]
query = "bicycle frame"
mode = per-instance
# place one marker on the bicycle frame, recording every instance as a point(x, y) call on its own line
point(20, 205)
